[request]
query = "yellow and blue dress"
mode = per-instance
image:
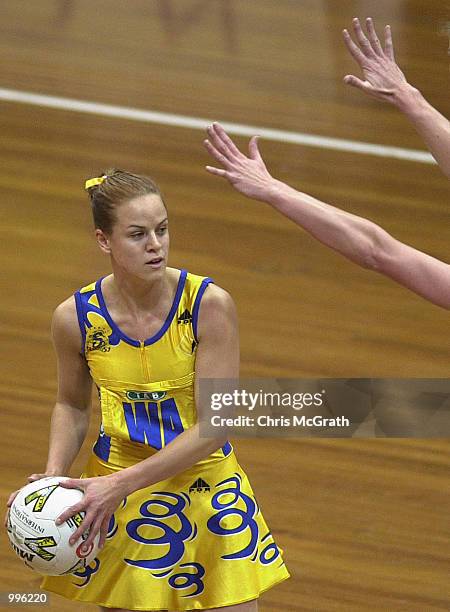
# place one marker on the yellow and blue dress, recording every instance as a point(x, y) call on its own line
point(197, 540)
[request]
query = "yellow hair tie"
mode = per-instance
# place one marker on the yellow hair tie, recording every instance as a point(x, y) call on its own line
point(94, 181)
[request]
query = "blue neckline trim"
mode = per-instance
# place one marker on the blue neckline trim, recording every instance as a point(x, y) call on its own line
point(167, 322)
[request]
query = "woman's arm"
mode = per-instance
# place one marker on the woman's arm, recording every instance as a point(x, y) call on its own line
point(217, 357)
point(70, 417)
point(358, 239)
point(384, 80)
point(71, 414)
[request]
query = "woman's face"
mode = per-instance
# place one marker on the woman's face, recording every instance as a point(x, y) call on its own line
point(139, 241)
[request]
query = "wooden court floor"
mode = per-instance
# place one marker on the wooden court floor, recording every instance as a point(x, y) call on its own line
point(363, 522)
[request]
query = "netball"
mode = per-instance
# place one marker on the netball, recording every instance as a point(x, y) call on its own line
point(37, 539)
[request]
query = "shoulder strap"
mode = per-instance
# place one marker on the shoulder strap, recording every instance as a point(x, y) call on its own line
point(198, 298)
point(86, 301)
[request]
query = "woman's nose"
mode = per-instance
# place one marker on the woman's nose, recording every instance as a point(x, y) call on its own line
point(153, 242)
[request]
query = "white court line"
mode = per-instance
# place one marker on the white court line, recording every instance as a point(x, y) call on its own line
point(134, 114)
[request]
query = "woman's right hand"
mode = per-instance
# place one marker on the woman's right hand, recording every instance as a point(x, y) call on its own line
point(13, 495)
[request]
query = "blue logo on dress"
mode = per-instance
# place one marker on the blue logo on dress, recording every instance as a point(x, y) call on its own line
point(270, 552)
point(171, 537)
point(87, 572)
point(185, 579)
point(219, 523)
point(172, 505)
point(144, 420)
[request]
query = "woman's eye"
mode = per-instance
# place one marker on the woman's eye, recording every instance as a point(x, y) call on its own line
point(137, 235)
point(162, 230)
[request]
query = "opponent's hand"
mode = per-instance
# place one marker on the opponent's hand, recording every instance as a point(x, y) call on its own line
point(248, 175)
point(383, 79)
point(102, 496)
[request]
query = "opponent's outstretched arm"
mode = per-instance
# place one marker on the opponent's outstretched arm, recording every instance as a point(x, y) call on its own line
point(383, 79)
point(358, 239)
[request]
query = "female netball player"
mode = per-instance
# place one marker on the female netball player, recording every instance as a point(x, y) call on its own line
point(356, 238)
point(384, 80)
point(179, 525)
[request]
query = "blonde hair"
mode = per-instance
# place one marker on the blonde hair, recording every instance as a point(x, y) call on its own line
point(113, 188)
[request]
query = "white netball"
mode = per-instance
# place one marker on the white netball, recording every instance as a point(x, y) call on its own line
point(34, 535)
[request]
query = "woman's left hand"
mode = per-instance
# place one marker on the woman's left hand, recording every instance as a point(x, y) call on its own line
point(102, 496)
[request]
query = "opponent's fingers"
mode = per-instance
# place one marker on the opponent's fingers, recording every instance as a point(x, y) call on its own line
point(364, 43)
point(214, 152)
point(388, 43)
point(350, 79)
point(365, 86)
point(218, 143)
point(220, 131)
point(253, 149)
point(373, 37)
point(355, 51)
point(217, 171)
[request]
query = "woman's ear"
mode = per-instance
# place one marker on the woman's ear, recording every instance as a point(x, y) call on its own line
point(103, 241)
